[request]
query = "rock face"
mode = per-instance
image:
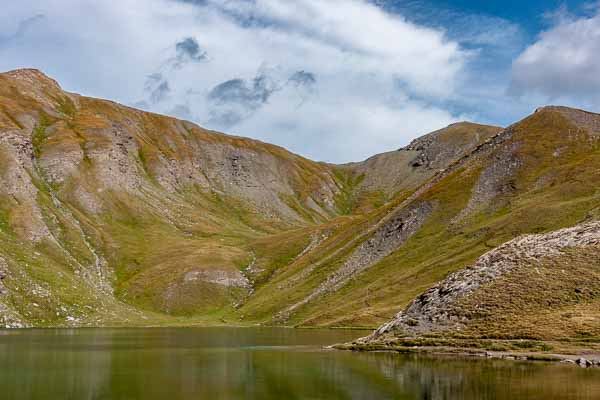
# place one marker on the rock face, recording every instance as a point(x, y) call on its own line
point(3, 274)
point(8, 317)
point(410, 166)
point(81, 177)
point(385, 240)
point(496, 181)
point(585, 119)
point(218, 277)
point(435, 310)
point(126, 150)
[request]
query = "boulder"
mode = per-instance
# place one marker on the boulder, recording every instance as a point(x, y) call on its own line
point(583, 363)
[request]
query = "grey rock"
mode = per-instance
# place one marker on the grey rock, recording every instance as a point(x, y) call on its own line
point(410, 166)
point(383, 242)
point(3, 275)
point(583, 363)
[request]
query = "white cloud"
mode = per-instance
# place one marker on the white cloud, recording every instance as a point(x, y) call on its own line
point(563, 64)
point(369, 66)
point(371, 39)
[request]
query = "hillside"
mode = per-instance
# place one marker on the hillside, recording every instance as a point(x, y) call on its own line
point(114, 216)
point(538, 175)
point(104, 204)
point(536, 286)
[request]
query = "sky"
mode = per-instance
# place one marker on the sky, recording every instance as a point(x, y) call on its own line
point(332, 80)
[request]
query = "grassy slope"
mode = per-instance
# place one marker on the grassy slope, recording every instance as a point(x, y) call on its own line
point(153, 238)
point(558, 299)
point(551, 189)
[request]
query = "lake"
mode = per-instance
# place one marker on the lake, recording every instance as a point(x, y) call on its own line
point(258, 363)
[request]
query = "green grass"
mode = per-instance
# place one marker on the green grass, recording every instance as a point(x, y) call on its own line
point(5, 222)
point(67, 107)
point(39, 137)
point(346, 200)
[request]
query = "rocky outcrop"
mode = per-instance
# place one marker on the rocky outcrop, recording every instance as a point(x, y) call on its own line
point(495, 183)
point(17, 184)
point(218, 277)
point(9, 318)
point(66, 137)
point(580, 118)
point(437, 149)
point(411, 166)
point(3, 275)
point(434, 310)
point(384, 241)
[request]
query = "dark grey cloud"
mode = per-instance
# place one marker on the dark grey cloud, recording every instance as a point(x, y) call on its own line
point(152, 81)
point(234, 90)
point(188, 50)
point(157, 87)
point(24, 26)
point(303, 78)
point(182, 111)
point(160, 93)
point(227, 118)
point(237, 99)
point(305, 84)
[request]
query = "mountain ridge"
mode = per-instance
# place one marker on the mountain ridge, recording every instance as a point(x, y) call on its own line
point(113, 216)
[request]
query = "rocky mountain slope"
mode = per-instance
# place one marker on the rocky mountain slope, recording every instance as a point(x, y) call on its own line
point(100, 201)
point(108, 213)
point(535, 286)
point(113, 216)
point(538, 175)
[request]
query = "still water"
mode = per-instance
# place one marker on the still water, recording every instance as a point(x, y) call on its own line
point(239, 363)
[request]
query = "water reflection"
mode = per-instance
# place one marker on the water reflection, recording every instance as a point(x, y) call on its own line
point(221, 363)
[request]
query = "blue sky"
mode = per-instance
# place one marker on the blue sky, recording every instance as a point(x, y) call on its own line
point(334, 80)
point(525, 12)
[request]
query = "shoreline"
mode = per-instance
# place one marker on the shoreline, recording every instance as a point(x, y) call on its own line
point(567, 353)
point(562, 351)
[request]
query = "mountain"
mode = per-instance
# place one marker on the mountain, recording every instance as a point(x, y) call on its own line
point(538, 175)
point(105, 205)
point(114, 216)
